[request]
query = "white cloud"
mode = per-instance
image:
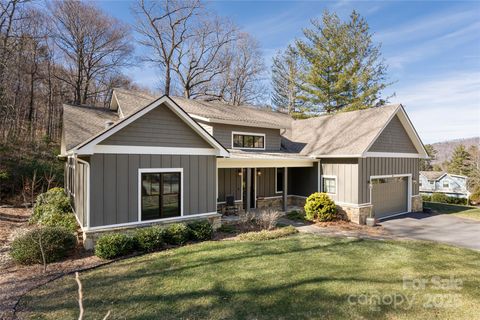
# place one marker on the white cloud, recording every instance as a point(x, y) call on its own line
point(444, 108)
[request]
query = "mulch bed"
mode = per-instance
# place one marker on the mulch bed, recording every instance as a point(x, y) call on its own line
point(16, 280)
point(349, 226)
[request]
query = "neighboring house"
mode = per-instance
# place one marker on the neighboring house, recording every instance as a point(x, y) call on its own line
point(452, 185)
point(154, 160)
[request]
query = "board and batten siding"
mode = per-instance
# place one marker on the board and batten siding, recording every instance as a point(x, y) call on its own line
point(114, 184)
point(158, 128)
point(385, 166)
point(80, 189)
point(223, 134)
point(346, 172)
point(303, 181)
point(393, 138)
point(266, 183)
point(229, 183)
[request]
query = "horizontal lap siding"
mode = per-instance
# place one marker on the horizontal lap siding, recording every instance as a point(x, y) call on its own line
point(229, 183)
point(114, 184)
point(385, 166)
point(346, 171)
point(160, 127)
point(394, 138)
point(223, 133)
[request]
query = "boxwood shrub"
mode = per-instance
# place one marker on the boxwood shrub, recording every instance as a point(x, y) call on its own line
point(150, 239)
point(57, 243)
point(200, 230)
point(319, 207)
point(114, 245)
point(176, 234)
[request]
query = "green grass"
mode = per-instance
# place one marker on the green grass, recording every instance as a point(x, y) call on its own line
point(454, 209)
point(298, 277)
point(268, 234)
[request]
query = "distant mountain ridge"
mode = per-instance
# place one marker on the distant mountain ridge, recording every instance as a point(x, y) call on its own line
point(445, 148)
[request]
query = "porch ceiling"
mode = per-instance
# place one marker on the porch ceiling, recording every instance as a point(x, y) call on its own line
point(264, 159)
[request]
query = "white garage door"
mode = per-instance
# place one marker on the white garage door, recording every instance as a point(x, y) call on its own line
point(389, 196)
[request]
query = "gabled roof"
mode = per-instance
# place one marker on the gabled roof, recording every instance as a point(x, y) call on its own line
point(130, 101)
point(437, 175)
point(86, 147)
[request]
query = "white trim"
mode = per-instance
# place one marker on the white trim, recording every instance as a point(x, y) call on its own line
point(158, 170)
point(391, 155)
point(263, 163)
point(152, 150)
point(276, 184)
point(241, 133)
point(274, 197)
point(150, 222)
point(392, 215)
point(336, 183)
point(255, 187)
point(409, 187)
point(319, 176)
point(337, 155)
point(353, 205)
point(88, 192)
point(87, 146)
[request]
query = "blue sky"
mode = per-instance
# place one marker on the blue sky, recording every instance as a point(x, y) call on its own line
point(432, 49)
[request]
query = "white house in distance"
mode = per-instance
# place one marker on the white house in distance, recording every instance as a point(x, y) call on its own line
point(439, 181)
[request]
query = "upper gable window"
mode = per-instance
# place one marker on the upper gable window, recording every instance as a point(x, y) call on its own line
point(243, 140)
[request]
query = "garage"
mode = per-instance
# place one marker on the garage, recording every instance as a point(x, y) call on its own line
point(389, 196)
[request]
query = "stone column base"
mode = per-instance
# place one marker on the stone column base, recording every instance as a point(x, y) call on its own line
point(417, 203)
point(356, 215)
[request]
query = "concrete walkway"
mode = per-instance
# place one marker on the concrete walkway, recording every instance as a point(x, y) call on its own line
point(440, 228)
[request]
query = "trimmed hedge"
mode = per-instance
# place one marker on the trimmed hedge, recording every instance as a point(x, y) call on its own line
point(150, 239)
point(57, 243)
point(176, 234)
point(200, 230)
point(443, 198)
point(114, 245)
point(320, 207)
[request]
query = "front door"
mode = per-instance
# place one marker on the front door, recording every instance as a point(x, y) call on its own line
point(248, 187)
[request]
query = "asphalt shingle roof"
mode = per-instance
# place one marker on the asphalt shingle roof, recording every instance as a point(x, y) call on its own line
point(432, 175)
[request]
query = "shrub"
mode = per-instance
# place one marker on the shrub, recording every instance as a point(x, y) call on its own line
point(176, 233)
point(114, 245)
point(320, 207)
point(475, 198)
point(267, 219)
point(53, 217)
point(296, 215)
point(200, 230)
point(268, 234)
point(150, 239)
point(426, 197)
point(439, 197)
point(455, 200)
point(56, 243)
point(55, 198)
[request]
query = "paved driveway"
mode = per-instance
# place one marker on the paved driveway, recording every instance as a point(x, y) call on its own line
point(442, 228)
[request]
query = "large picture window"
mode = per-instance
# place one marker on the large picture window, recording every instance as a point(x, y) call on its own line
point(248, 141)
point(160, 195)
point(330, 185)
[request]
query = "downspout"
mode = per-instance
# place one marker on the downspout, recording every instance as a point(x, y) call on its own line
point(88, 191)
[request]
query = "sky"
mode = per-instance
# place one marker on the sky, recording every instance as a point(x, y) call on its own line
point(432, 49)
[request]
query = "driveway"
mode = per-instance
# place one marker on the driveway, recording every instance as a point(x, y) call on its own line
point(441, 228)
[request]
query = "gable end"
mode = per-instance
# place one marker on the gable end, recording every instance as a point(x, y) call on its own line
point(394, 138)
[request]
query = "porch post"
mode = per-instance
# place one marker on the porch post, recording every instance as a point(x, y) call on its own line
point(285, 191)
point(249, 188)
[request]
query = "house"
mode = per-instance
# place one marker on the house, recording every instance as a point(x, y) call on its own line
point(150, 160)
point(452, 185)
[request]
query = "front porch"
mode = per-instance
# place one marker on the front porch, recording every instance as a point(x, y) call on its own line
point(250, 181)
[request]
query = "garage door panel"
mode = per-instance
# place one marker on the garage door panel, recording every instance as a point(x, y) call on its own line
point(389, 196)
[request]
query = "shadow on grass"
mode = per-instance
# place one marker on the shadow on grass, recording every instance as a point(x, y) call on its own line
point(443, 208)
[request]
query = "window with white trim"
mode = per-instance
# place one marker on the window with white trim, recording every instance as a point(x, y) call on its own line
point(446, 184)
point(248, 140)
point(329, 185)
point(160, 195)
point(279, 180)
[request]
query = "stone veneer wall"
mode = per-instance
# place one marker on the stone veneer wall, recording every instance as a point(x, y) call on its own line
point(91, 237)
point(355, 214)
point(417, 203)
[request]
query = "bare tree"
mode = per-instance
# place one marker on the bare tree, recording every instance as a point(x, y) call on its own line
point(200, 59)
point(163, 27)
point(242, 81)
point(92, 43)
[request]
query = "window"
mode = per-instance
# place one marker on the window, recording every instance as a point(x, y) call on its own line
point(446, 184)
point(330, 185)
point(248, 140)
point(279, 180)
point(160, 195)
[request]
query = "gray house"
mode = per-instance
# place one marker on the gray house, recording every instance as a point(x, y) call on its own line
point(452, 185)
point(155, 160)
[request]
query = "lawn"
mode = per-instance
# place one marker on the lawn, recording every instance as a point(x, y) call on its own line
point(298, 277)
point(455, 210)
